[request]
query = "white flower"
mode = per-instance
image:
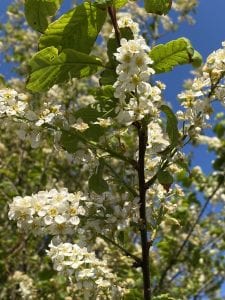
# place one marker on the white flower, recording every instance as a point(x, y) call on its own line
point(88, 272)
point(104, 122)
point(80, 125)
point(126, 21)
point(12, 103)
point(25, 284)
point(212, 142)
point(133, 75)
point(55, 212)
point(157, 139)
point(48, 114)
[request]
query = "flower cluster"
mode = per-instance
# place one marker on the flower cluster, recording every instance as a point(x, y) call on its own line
point(48, 212)
point(12, 103)
point(91, 275)
point(15, 107)
point(133, 69)
point(109, 212)
point(207, 86)
point(215, 64)
point(184, 8)
point(133, 76)
point(25, 285)
point(48, 114)
point(125, 20)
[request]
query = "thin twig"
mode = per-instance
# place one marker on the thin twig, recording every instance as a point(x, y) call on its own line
point(178, 253)
point(121, 180)
point(135, 258)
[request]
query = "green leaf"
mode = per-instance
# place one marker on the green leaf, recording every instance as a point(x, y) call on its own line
point(49, 67)
point(159, 7)
point(165, 178)
point(219, 129)
point(105, 102)
point(119, 3)
point(108, 77)
point(70, 141)
point(171, 125)
point(46, 274)
point(87, 114)
point(104, 107)
point(171, 221)
point(115, 3)
point(37, 12)
point(94, 132)
point(196, 59)
point(90, 114)
point(177, 52)
point(76, 29)
point(103, 3)
point(96, 182)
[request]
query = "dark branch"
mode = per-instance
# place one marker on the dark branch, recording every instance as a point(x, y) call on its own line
point(112, 14)
point(143, 139)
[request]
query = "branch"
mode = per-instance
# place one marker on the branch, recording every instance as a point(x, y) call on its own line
point(135, 258)
point(208, 285)
point(143, 139)
point(121, 180)
point(112, 14)
point(17, 248)
point(174, 260)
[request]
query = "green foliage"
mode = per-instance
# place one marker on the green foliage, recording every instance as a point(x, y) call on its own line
point(119, 3)
point(159, 7)
point(103, 108)
point(177, 52)
point(37, 12)
point(165, 178)
point(115, 3)
point(49, 67)
point(96, 182)
point(70, 141)
point(108, 76)
point(76, 29)
point(171, 125)
point(219, 129)
point(196, 59)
